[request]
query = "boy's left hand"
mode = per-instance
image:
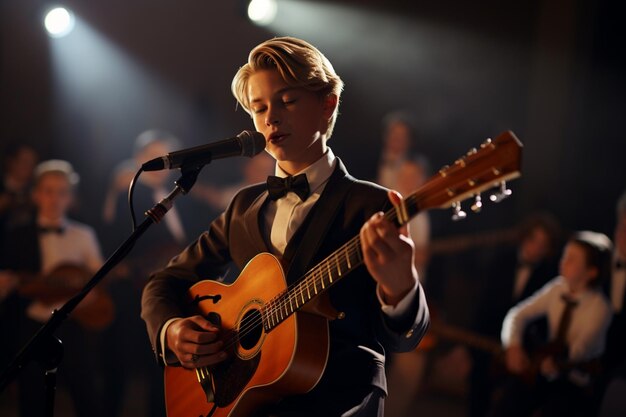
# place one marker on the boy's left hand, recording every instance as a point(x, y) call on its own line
point(388, 254)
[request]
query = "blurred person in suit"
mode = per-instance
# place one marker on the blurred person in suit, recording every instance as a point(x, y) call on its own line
point(50, 254)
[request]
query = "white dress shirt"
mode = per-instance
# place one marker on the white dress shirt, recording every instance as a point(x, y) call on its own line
point(76, 245)
point(588, 327)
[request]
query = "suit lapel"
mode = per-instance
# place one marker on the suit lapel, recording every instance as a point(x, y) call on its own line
point(305, 243)
point(253, 223)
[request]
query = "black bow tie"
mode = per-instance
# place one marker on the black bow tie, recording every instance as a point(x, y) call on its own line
point(59, 230)
point(278, 187)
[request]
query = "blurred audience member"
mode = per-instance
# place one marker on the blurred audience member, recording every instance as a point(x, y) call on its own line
point(398, 134)
point(614, 403)
point(406, 370)
point(48, 260)
point(516, 273)
point(255, 170)
point(558, 380)
point(18, 164)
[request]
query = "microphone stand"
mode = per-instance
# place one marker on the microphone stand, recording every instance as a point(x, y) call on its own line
point(44, 347)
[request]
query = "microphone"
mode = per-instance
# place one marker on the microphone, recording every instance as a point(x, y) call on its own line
point(247, 143)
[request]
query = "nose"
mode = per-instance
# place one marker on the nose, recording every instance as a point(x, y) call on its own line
point(271, 117)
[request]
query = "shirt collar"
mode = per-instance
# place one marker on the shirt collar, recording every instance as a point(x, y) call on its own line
point(318, 172)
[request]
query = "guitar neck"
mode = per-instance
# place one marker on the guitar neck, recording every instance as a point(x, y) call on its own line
point(317, 281)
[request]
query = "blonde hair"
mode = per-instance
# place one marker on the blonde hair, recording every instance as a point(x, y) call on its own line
point(300, 65)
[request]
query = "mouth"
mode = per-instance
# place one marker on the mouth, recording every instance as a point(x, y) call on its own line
point(277, 137)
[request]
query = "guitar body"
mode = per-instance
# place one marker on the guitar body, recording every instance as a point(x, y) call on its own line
point(96, 312)
point(263, 366)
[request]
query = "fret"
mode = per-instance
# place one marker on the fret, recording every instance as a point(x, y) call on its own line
point(302, 293)
point(290, 304)
point(338, 265)
point(322, 279)
point(308, 289)
point(348, 256)
point(330, 275)
point(314, 286)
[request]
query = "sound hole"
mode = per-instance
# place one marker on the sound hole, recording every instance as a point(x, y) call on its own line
point(251, 329)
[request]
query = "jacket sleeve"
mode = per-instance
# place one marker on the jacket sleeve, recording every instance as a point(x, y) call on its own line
point(403, 334)
point(164, 296)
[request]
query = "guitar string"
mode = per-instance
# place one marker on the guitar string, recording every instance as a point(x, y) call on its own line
point(279, 302)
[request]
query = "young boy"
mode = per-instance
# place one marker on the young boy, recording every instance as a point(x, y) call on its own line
point(39, 249)
point(578, 317)
point(292, 93)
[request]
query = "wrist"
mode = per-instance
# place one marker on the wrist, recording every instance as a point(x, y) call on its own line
point(393, 296)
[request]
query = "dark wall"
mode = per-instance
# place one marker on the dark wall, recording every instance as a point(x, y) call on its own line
point(551, 71)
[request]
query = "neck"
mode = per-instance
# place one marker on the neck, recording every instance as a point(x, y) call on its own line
point(312, 156)
point(50, 220)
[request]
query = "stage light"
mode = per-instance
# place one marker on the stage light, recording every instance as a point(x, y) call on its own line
point(262, 12)
point(59, 22)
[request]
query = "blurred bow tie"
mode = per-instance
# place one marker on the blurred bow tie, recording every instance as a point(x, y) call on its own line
point(620, 264)
point(278, 187)
point(569, 300)
point(51, 229)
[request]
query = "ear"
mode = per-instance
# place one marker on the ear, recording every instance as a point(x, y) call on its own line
point(330, 105)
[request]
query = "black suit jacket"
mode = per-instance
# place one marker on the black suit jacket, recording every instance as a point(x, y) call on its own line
point(357, 343)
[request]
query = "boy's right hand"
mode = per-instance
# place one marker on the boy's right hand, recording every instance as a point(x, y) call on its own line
point(516, 360)
point(195, 342)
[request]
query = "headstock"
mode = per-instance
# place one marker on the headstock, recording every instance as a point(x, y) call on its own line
point(491, 165)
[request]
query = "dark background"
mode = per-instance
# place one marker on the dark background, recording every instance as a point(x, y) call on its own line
point(551, 71)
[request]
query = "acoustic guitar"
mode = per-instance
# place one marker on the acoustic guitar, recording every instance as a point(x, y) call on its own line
point(277, 334)
point(95, 312)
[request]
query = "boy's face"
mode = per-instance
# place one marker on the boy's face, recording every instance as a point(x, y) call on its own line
point(52, 195)
point(291, 119)
point(574, 267)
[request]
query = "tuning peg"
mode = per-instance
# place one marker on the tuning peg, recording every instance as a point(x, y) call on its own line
point(478, 204)
point(458, 214)
point(501, 194)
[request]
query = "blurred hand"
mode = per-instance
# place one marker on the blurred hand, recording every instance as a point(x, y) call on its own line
point(195, 342)
point(516, 360)
point(548, 368)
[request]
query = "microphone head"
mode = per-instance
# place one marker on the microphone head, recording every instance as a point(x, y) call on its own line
point(252, 143)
